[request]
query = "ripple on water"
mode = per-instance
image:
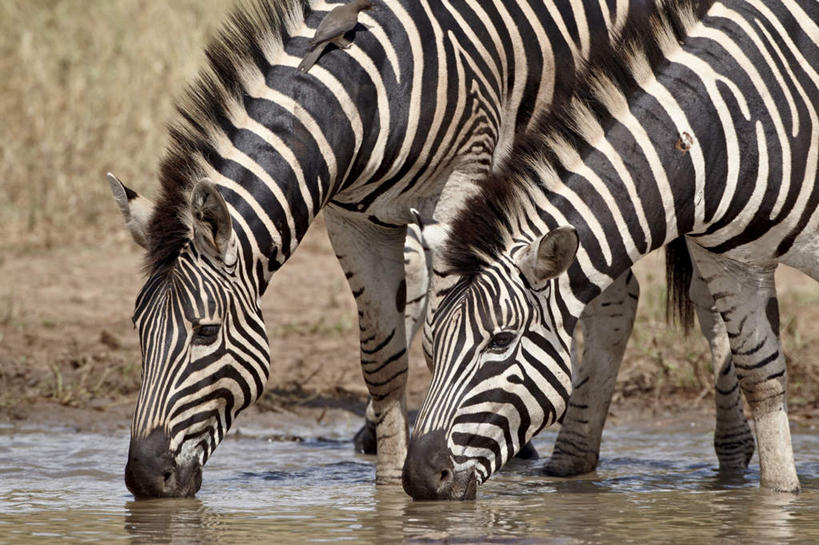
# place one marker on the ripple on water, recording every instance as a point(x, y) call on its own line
point(59, 484)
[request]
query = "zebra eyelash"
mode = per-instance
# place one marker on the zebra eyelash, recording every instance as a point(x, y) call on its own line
point(204, 334)
point(501, 341)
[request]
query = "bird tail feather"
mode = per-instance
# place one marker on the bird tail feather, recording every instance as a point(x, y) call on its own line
point(310, 59)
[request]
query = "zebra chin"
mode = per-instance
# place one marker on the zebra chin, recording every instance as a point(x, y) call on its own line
point(429, 473)
point(153, 471)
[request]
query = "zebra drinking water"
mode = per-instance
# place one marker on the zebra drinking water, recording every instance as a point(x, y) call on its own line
point(426, 96)
point(702, 122)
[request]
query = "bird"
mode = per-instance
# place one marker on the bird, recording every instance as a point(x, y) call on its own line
point(332, 29)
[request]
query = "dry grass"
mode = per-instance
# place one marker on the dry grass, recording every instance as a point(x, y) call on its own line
point(87, 87)
point(662, 364)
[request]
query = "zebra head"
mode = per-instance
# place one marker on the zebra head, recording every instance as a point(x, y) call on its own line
point(501, 366)
point(205, 355)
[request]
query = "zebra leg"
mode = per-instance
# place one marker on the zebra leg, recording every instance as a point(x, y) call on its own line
point(745, 296)
point(417, 264)
point(416, 271)
point(606, 324)
point(373, 262)
point(733, 440)
point(364, 439)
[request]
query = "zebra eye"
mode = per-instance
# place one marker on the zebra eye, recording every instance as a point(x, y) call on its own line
point(500, 341)
point(205, 333)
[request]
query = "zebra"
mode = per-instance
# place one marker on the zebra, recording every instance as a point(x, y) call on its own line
point(576, 449)
point(651, 146)
point(259, 149)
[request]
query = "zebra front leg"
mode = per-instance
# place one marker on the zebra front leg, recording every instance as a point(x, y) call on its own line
point(416, 271)
point(373, 262)
point(733, 440)
point(417, 263)
point(745, 296)
point(606, 324)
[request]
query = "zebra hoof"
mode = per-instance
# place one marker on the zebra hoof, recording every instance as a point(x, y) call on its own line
point(559, 466)
point(364, 439)
point(528, 452)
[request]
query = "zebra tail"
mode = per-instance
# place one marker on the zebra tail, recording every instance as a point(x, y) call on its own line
point(678, 271)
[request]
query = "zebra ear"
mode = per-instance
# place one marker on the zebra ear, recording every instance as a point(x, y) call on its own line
point(548, 256)
point(431, 234)
point(135, 208)
point(212, 230)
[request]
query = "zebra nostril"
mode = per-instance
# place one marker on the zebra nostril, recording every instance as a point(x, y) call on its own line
point(446, 476)
point(152, 472)
point(428, 471)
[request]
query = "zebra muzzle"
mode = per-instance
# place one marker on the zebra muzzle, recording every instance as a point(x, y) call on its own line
point(152, 471)
point(429, 473)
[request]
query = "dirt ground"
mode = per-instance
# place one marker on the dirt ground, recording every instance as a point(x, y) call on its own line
point(66, 338)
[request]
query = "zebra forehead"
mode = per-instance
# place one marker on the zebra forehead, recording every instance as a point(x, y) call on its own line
point(497, 294)
point(181, 289)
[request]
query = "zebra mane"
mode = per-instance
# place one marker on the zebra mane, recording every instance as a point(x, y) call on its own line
point(253, 33)
point(484, 227)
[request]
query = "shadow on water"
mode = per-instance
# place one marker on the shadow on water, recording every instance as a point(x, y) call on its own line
point(63, 485)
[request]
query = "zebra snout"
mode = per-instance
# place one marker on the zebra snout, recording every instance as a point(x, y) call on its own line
point(152, 472)
point(429, 473)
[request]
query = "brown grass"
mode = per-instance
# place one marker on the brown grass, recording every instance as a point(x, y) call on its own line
point(87, 87)
point(661, 363)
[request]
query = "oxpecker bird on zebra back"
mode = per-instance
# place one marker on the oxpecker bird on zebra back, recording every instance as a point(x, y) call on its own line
point(333, 27)
point(702, 123)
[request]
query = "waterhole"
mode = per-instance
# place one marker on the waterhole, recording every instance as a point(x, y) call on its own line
point(62, 486)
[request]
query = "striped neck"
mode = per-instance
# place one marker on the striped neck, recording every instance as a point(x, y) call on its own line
point(712, 159)
point(637, 180)
point(277, 143)
point(605, 162)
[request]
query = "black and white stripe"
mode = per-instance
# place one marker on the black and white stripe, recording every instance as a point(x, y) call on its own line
point(704, 124)
point(429, 93)
point(429, 96)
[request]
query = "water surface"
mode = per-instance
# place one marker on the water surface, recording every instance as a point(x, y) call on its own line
point(61, 486)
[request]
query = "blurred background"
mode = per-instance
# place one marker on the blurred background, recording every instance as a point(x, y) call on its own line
point(87, 88)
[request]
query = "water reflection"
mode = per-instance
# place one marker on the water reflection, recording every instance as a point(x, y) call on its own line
point(754, 516)
point(172, 521)
point(562, 515)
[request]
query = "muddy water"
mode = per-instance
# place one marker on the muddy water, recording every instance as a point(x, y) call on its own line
point(60, 486)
